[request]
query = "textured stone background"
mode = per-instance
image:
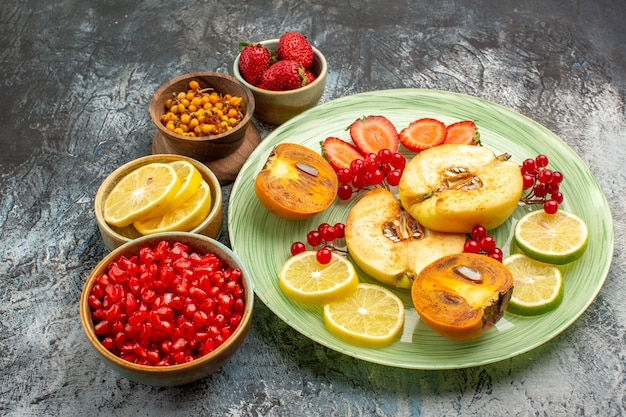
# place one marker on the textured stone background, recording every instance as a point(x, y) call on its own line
point(77, 77)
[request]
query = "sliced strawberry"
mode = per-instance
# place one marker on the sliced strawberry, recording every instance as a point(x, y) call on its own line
point(339, 153)
point(422, 134)
point(370, 134)
point(464, 132)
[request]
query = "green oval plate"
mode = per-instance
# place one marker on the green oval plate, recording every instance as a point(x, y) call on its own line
point(262, 240)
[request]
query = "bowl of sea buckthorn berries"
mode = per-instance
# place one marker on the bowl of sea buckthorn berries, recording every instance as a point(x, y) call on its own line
point(286, 76)
point(167, 309)
point(203, 115)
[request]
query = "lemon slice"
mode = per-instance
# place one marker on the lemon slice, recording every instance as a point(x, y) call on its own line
point(302, 278)
point(537, 287)
point(147, 190)
point(371, 316)
point(184, 217)
point(190, 179)
point(558, 238)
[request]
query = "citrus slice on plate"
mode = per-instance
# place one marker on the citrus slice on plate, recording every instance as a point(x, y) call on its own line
point(190, 179)
point(183, 218)
point(302, 278)
point(537, 287)
point(558, 238)
point(370, 316)
point(147, 190)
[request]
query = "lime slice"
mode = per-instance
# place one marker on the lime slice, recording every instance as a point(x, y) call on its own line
point(371, 316)
point(558, 238)
point(537, 287)
point(304, 279)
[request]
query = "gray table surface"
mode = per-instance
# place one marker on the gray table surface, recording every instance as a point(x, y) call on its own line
point(77, 77)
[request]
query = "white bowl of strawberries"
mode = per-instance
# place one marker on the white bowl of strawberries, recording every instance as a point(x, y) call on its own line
point(286, 76)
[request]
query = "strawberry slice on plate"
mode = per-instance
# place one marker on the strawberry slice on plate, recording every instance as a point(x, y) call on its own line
point(463, 132)
point(370, 134)
point(339, 153)
point(422, 134)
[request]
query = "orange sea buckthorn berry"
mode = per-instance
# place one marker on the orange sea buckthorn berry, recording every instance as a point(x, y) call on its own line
point(194, 85)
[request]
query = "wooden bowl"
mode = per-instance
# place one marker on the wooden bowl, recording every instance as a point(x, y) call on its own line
point(117, 236)
point(206, 148)
point(173, 374)
point(276, 107)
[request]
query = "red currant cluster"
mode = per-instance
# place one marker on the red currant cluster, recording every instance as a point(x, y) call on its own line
point(374, 170)
point(541, 184)
point(480, 242)
point(321, 239)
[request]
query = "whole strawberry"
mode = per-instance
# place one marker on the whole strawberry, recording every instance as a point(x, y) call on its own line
point(284, 75)
point(295, 46)
point(253, 61)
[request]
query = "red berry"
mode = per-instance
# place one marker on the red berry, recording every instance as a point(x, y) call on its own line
point(340, 228)
point(344, 175)
point(314, 238)
point(471, 246)
point(529, 166)
point(551, 207)
point(384, 156)
point(324, 256)
point(398, 161)
point(478, 232)
point(295, 46)
point(329, 234)
point(528, 181)
point(544, 176)
point(297, 247)
point(487, 244)
point(557, 177)
point(541, 161)
point(393, 178)
point(344, 192)
point(253, 61)
point(284, 75)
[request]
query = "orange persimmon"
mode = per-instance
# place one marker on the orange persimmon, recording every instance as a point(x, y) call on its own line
point(461, 296)
point(296, 182)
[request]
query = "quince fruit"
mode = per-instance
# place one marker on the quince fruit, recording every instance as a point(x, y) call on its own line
point(452, 188)
point(388, 244)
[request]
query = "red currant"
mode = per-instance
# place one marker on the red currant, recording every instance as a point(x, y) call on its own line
point(340, 228)
point(393, 178)
point(344, 192)
point(529, 166)
point(344, 175)
point(329, 233)
point(297, 247)
point(551, 206)
point(314, 238)
point(384, 156)
point(544, 176)
point(528, 181)
point(398, 161)
point(324, 256)
point(541, 161)
point(478, 232)
point(471, 246)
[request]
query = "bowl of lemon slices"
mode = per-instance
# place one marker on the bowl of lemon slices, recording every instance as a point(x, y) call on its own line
point(155, 194)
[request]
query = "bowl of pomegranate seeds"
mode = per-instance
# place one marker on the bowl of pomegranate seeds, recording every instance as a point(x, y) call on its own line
point(203, 115)
point(167, 309)
point(286, 76)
